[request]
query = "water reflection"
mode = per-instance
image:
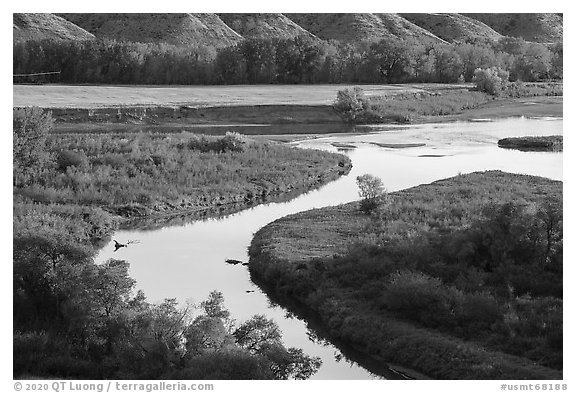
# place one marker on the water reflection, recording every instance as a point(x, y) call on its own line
point(186, 259)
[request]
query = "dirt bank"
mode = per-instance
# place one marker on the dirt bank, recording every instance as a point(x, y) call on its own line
point(186, 115)
point(268, 119)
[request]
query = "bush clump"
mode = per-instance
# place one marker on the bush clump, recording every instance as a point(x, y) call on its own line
point(67, 158)
point(491, 80)
point(350, 103)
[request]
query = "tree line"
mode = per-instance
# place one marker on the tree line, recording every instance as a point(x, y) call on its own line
point(284, 61)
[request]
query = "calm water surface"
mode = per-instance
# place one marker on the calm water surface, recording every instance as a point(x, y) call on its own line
point(187, 261)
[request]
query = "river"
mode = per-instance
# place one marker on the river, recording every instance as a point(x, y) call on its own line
point(188, 261)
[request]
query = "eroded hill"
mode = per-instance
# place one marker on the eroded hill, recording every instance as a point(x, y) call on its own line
point(177, 29)
point(532, 27)
point(454, 27)
point(46, 26)
point(361, 27)
point(264, 25)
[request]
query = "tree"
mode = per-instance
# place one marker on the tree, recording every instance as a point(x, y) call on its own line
point(262, 336)
point(112, 285)
point(535, 63)
point(372, 192)
point(256, 333)
point(31, 126)
point(392, 59)
point(230, 66)
point(557, 70)
point(205, 334)
point(448, 65)
point(260, 57)
point(474, 57)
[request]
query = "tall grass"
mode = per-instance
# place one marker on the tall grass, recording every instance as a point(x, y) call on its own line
point(147, 173)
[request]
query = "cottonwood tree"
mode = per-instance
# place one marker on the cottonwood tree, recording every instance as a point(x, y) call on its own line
point(372, 192)
point(30, 130)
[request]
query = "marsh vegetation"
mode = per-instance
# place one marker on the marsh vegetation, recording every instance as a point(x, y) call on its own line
point(461, 278)
point(77, 319)
point(533, 143)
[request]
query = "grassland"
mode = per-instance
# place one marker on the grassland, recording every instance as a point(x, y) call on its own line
point(61, 96)
point(455, 279)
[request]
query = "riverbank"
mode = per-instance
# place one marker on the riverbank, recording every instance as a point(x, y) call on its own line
point(340, 272)
point(283, 113)
point(279, 123)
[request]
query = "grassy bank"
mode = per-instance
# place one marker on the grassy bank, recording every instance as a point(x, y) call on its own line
point(459, 279)
point(533, 143)
point(147, 173)
point(75, 319)
point(356, 107)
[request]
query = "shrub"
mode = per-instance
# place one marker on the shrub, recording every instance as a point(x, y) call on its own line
point(479, 311)
point(491, 80)
point(350, 103)
point(67, 158)
point(232, 141)
point(422, 298)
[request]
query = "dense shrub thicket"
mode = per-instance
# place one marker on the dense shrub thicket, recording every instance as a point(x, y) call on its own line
point(76, 319)
point(478, 257)
point(296, 60)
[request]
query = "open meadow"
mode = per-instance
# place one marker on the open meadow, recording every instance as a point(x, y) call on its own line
point(62, 96)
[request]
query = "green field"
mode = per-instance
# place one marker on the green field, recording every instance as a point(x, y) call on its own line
point(62, 96)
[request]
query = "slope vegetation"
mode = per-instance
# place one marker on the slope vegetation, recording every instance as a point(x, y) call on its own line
point(177, 29)
point(263, 25)
point(46, 26)
point(454, 27)
point(532, 27)
point(361, 27)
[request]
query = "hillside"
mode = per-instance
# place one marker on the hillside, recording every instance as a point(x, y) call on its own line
point(46, 26)
point(263, 25)
point(177, 29)
point(532, 27)
point(454, 27)
point(361, 27)
point(221, 30)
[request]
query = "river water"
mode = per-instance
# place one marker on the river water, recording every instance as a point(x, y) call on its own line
point(187, 261)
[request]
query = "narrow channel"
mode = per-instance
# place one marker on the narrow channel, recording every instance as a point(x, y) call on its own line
point(187, 261)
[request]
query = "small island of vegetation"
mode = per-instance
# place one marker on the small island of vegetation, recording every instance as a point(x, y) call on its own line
point(533, 143)
point(458, 279)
